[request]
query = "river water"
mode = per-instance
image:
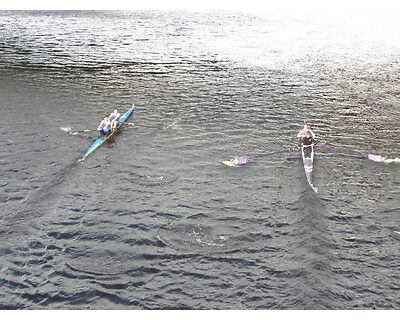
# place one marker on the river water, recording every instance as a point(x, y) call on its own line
point(153, 219)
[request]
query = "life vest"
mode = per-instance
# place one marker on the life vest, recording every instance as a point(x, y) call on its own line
point(106, 125)
point(115, 116)
point(303, 132)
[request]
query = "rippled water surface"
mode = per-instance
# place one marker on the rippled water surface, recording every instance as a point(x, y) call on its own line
point(153, 219)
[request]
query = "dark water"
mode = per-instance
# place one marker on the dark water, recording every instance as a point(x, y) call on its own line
point(153, 220)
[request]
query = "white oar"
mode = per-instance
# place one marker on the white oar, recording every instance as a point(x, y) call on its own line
point(69, 130)
point(131, 124)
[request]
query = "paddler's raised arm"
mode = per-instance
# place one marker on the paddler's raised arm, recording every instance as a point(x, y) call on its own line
point(101, 125)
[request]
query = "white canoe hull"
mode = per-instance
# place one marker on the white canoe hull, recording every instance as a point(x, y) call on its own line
point(308, 163)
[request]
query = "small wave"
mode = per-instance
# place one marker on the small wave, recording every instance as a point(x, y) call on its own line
point(396, 234)
point(66, 129)
point(197, 234)
point(152, 181)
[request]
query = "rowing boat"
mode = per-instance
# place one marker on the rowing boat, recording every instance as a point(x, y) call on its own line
point(100, 141)
point(308, 162)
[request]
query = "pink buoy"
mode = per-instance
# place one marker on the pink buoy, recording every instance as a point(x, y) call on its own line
point(375, 157)
point(240, 160)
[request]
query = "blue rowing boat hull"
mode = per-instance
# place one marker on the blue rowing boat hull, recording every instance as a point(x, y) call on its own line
point(99, 141)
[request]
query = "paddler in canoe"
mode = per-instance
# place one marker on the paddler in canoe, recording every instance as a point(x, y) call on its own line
point(114, 117)
point(302, 132)
point(307, 142)
point(105, 125)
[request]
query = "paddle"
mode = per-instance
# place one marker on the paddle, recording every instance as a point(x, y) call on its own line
point(69, 130)
point(131, 124)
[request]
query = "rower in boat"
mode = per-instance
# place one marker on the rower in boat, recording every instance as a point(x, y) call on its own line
point(307, 142)
point(114, 117)
point(105, 125)
point(302, 132)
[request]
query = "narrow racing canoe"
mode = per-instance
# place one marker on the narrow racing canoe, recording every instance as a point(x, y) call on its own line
point(308, 162)
point(100, 141)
